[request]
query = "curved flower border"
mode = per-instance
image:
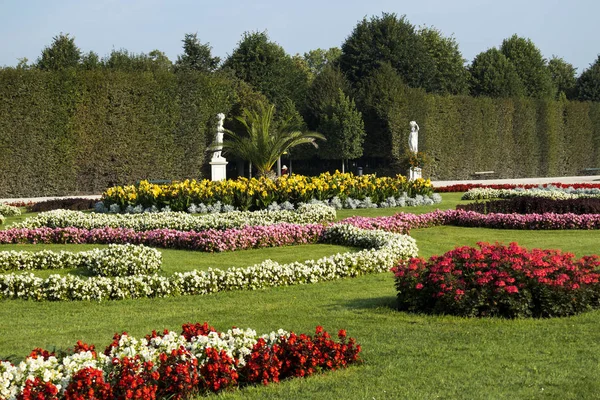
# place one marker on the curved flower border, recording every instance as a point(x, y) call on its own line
point(115, 260)
point(382, 251)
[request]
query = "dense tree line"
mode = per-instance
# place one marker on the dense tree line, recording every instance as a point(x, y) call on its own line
point(351, 94)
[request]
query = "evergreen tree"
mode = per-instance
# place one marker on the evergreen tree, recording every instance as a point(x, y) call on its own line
point(563, 77)
point(61, 54)
point(196, 56)
point(588, 84)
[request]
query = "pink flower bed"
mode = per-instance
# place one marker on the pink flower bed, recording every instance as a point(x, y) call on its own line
point(211, 240)
point(463, 187)
point(403, 222)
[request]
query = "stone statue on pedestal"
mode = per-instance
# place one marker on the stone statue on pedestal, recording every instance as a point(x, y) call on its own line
point(219, 137)
point(413, 137)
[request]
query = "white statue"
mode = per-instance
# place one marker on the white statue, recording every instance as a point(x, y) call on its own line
point(413, 137)
point(219, 137)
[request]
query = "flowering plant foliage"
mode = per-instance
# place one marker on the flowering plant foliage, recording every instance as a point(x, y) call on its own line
point(2, 219)
point(308, 213)
point(535, 205)
point(115, 260)
point(258, 193)
point(497, 280)
point(463, 187)
point(550, 192)
point(382, 250)
point(175, 366)
point(210, 240)
point(8, 210)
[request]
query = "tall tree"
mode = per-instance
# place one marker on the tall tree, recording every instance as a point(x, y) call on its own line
point(124, 60)
point(91, 61)
point(318, 59)
point(563, 77)
point(493, 75)
point(530, 65)
point(196, 56)
point(264, 141)
point(61, 54)
point(266, 66)
point(451, 75)
point(344, 129)
point(387, 39)
point(588, 83)
point(322, 93)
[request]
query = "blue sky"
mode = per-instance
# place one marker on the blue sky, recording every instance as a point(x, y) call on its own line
point(568, 29)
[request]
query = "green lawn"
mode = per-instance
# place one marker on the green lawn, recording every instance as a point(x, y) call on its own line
point(405, 355)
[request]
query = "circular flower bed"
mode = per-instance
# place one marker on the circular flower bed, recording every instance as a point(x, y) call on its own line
point(497, 280)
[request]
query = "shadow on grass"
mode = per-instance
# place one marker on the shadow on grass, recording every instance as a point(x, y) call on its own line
point(373, 302)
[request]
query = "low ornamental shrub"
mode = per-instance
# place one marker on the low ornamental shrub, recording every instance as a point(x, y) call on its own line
point(8, 210)
point(175, 366)
point(535, 205)
point(463, 187)
point(497, 280)
point(62, 204)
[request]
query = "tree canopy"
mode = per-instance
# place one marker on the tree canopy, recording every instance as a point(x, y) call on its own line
point(493, 75)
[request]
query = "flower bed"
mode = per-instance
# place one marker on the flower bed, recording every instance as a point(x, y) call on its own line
point(403, 222)
point(2, 219)
point(383, 249)
point(545, 192)
point(309, 213)
point(259, 193)
point(520, 221)
point(535, 205)
point(463, 187)
point(496, 280)
point(115, 260)
point(168, 365)
point(210, 240)
point(9, 211)
point(62, 204)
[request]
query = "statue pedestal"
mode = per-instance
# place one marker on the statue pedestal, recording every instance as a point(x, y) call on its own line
point(414, 173)
point(218, 171)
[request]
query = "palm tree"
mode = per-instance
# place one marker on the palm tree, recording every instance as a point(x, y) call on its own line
point(264, 141)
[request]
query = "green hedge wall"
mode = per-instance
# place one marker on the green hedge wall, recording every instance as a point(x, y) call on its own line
point(520, 137)
point(82, 131)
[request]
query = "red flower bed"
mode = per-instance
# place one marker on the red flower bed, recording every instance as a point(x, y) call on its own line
point(497, 280)
point(181, 372)
point(463, 187)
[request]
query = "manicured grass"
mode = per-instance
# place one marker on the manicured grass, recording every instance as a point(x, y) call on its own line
point(181, 260)
point(405, 355)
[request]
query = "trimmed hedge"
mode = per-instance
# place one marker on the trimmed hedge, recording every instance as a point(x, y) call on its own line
point(62, 204)
point(82, 131)
point(535, 205)
point(515, 137)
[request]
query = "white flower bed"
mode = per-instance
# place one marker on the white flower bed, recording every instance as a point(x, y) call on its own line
point(308, 213)
point(115, 260)
point(546, 192)
point(382, 251)
point(237, 343)
point(336, 202)
point(9, 211)
point(2, 219)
